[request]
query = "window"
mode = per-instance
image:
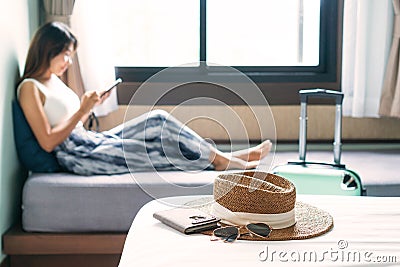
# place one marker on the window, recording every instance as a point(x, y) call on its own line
point(282, 45)
point(263, 32)
point(156, 33)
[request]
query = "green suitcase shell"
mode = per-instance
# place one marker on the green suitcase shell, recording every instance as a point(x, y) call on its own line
point(321, 178)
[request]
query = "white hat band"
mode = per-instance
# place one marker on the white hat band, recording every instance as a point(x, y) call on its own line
point(275, 221)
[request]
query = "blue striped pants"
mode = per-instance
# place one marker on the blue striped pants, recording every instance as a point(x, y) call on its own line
point(152, 141)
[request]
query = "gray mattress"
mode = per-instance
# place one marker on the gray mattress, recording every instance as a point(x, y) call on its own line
point(63, 202)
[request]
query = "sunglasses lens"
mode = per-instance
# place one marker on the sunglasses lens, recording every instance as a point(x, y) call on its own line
point(260, 229)
point(227, 234)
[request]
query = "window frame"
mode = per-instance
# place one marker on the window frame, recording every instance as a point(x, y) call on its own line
point(279, 84)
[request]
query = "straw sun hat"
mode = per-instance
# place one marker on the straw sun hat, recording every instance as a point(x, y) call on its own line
point(251, 197)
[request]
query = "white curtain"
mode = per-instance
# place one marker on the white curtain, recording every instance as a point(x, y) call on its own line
point(59, 10)
point(91, 24)
point(390, 99)
point(367, 35)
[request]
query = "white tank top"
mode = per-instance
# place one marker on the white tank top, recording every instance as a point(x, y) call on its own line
point(60, 103)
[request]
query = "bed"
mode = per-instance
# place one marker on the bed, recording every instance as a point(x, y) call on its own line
point(366, 232)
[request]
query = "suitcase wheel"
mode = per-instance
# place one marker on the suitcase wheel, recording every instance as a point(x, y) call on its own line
point(349, 183)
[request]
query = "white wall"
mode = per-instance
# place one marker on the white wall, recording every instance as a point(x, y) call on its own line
point(18, 19)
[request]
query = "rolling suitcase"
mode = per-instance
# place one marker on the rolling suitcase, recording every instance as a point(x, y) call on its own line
point(320, 177)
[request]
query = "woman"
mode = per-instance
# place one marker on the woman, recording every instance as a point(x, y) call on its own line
point(154, 140)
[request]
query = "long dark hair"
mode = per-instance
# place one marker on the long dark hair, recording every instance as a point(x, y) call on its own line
point(49, 41)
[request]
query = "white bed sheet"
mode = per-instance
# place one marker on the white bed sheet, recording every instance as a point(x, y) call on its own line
point(366, 233)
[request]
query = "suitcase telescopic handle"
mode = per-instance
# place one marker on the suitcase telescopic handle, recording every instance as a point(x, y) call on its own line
point(304, 94)
point(322, 93)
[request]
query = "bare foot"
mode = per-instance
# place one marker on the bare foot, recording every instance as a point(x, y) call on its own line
point(225, 161)
point(254, 153)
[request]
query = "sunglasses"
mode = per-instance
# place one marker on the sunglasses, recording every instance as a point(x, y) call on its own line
point(230, 234)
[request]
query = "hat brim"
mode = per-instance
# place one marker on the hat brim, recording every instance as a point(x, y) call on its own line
point(310, 222)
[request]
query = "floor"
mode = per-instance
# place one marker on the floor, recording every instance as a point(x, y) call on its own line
point(378, 164)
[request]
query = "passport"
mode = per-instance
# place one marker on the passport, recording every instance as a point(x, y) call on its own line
point(187, 220)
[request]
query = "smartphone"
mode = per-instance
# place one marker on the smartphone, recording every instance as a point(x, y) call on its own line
point(115, 83)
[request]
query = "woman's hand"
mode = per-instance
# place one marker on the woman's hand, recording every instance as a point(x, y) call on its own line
point(89, 100)
point(104, 95)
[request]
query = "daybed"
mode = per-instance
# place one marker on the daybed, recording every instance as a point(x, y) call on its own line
point(63, 202)
point(72, 220)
